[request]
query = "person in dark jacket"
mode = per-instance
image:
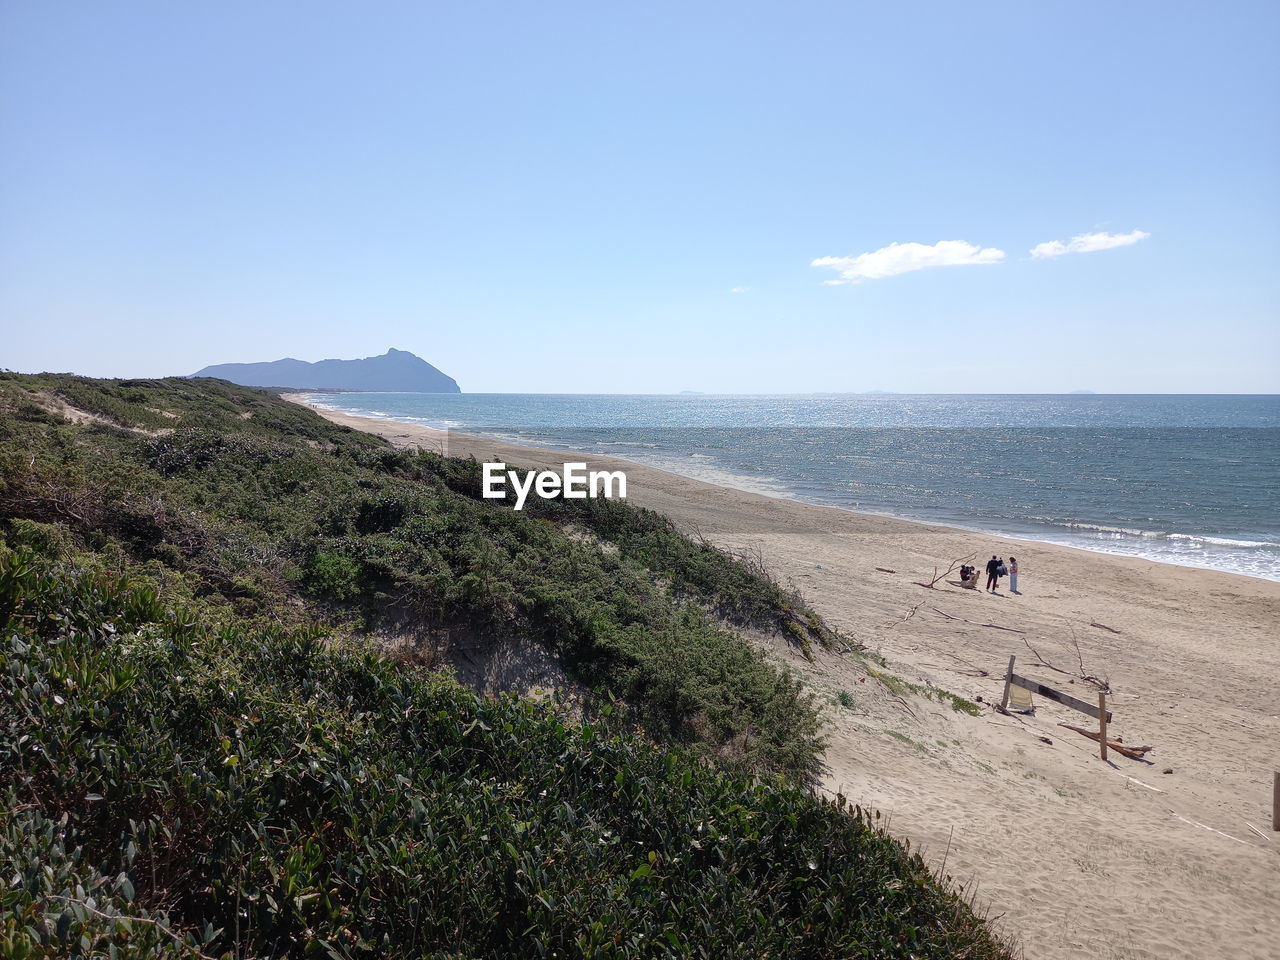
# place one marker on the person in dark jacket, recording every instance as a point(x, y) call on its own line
point(993, 575)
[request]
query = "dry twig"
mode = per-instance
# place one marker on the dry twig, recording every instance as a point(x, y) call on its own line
point(912, 613)
point(993, 626)
point(1099, 682)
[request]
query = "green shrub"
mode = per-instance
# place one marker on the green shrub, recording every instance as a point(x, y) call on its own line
point(175, 789)
point(332, 575)
point(50, 539)
point(282, 517)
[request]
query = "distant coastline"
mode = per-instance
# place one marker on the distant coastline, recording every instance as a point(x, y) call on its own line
point(393, 370)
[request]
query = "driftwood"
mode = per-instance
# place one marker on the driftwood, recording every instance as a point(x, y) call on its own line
point(958, 562)
point(1133, 753)
point(993, 626)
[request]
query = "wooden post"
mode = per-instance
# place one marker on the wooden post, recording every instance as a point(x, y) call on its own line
point(1008, 679)
point(1275, 803)
point(1102, 722)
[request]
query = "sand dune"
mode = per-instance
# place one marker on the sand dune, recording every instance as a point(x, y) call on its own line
point(1077, 857)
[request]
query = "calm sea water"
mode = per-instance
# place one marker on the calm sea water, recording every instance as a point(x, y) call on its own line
point(1193, 480)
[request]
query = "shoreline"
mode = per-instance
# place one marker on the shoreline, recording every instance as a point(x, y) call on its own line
point(730, 481)
point(1165, 858)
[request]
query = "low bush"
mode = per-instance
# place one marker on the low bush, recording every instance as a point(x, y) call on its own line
point(280, 517)
point(175, 788)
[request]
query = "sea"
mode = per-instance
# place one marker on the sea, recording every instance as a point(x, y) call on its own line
point(1189, 480)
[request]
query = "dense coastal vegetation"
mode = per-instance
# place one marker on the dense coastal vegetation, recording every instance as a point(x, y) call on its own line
point(209, 750)
point(271, 515)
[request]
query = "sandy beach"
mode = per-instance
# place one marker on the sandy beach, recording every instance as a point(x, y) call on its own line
point(1169, 857)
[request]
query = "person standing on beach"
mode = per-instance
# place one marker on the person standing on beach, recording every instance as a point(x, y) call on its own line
point(1013, 574)
point(993, 577)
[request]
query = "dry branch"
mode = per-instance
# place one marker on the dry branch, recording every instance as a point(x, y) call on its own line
point(993, 626)
point(1100, 683)
point(912, 613)
point(971, 669)
point(1133, 753)
point(946, 573)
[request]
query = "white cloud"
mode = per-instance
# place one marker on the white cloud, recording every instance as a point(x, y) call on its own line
point(1086, 243)
point(905, 257)
point(740, 290)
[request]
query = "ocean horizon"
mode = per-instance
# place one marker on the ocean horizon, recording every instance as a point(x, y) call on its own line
point(1189, 479)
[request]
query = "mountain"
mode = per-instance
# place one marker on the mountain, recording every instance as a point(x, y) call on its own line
point(396, 371)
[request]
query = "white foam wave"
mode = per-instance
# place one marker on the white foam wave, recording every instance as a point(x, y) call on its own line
point(1190, 538)
point(1223, 541)
point(1102, 528)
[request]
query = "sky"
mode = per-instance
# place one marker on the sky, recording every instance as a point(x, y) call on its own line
point(650, 197)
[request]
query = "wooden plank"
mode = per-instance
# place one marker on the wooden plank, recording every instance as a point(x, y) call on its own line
point(1057, 696)
point(1102, 723)
point(1008, 676)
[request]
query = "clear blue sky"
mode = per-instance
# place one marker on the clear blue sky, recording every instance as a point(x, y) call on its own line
point(629, 197)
